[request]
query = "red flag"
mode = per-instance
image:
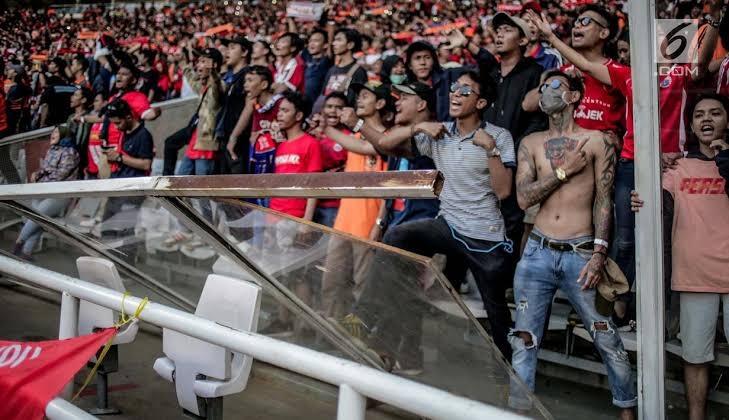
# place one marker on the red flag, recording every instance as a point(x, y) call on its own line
point(33, 373)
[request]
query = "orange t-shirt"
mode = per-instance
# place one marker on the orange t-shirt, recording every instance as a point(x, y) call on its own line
point(356, 216)
point(700, 234)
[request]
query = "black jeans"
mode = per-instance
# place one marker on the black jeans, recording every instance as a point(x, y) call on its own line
point(173, 144)
point(226, 164)
point(386, 296)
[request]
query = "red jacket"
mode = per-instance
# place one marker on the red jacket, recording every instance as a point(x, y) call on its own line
point(3, 115)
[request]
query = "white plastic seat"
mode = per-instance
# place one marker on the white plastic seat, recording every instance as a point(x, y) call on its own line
point(91, 316)
point(226, 301)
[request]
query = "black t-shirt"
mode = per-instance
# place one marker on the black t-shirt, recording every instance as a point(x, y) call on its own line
point(150, 81)
point(233, 102)
point(57, 96)
point(17, 103)
point(137, 144)
point(337, 79)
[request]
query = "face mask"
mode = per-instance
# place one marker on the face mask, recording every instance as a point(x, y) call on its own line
point(397, 79)
point(552, 101)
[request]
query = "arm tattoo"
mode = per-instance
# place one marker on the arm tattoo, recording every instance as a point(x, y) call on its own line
point(604, 176)
point(529, 190)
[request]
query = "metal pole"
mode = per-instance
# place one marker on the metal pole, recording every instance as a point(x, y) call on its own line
point(351, 405)
point(68, 328)
point(649, 236)
point(417, 398)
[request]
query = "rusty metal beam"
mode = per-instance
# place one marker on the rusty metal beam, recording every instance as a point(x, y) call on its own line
point(399, 184)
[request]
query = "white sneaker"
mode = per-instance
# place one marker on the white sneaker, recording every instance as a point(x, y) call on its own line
point(87, 223)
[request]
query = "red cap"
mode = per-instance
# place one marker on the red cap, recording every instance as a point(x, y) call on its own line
point(532, 5)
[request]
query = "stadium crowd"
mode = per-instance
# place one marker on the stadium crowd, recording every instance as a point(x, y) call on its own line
point(525, 108)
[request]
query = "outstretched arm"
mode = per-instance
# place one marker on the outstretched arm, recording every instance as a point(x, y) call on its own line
point(598, 70)
point(350, 143)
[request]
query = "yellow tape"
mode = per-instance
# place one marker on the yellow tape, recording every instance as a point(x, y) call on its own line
point(123, 320)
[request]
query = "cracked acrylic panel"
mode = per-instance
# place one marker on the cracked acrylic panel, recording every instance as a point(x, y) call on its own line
point(395, 307)
point(125, 235)
point(328, 292)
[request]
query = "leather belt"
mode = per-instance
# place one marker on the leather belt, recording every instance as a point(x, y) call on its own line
point(561, 246)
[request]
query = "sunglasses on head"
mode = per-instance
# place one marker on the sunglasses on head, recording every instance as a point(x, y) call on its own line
point(463, 90)
point(586, 20)
point(554, 84)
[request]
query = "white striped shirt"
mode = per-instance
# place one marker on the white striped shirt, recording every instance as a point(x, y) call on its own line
point(468, 202)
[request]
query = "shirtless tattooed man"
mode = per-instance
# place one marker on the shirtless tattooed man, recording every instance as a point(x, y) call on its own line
point(569, 171)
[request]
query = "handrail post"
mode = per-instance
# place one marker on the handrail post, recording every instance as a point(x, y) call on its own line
point(649, 234)
point(351, 405)
point(68, 328)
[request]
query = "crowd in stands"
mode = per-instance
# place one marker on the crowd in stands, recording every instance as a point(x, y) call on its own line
point(525, 107)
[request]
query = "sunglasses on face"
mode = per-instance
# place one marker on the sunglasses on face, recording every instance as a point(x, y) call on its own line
point(554, 84)
point(463, 90)
point(586, 20)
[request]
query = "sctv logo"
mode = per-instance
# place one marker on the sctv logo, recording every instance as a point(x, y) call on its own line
point(13, 355)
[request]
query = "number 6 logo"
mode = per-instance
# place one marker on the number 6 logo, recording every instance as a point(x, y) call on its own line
point(672, 37)
point(674, 40)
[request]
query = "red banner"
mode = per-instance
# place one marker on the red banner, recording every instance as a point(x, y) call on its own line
point(33, 373)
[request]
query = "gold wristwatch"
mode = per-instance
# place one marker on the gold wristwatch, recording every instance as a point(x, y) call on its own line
point(561, 174)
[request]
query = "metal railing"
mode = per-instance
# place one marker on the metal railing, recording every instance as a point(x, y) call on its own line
point(411, 184)
point(60, 409)
point(356, 382)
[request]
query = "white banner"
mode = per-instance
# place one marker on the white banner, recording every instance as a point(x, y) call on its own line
point(305, 10)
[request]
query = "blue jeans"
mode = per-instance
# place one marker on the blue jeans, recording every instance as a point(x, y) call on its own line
point(326, 215)
point(198, 167)
point(195, 167)
point(625, 219)
point(31, 231)
point(539, 274)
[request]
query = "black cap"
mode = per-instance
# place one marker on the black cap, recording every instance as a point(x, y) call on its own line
point(213, 54)
point(422, 90)
point(242, 41)
point(380, 90)
point(415, 88)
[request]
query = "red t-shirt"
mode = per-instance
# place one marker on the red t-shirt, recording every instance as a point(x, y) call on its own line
point(621, 79)
point(300, 155)
point(334, 156)
point(291, 74)
point(94, 148)
point(3, 115)
point(672, 91)
point(602, 107)
point(264, 116)
point(198, 154)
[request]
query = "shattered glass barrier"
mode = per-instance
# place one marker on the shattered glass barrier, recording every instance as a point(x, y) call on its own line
point(395, 306)
point(351, 298)
point(59, 251)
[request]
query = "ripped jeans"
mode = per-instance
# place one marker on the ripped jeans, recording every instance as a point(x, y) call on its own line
point(539, 274)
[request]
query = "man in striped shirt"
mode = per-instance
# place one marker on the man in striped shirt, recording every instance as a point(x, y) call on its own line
point(477, 160)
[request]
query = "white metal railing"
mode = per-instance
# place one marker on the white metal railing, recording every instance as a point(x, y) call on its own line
point(60, 409)
point(356, 382)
